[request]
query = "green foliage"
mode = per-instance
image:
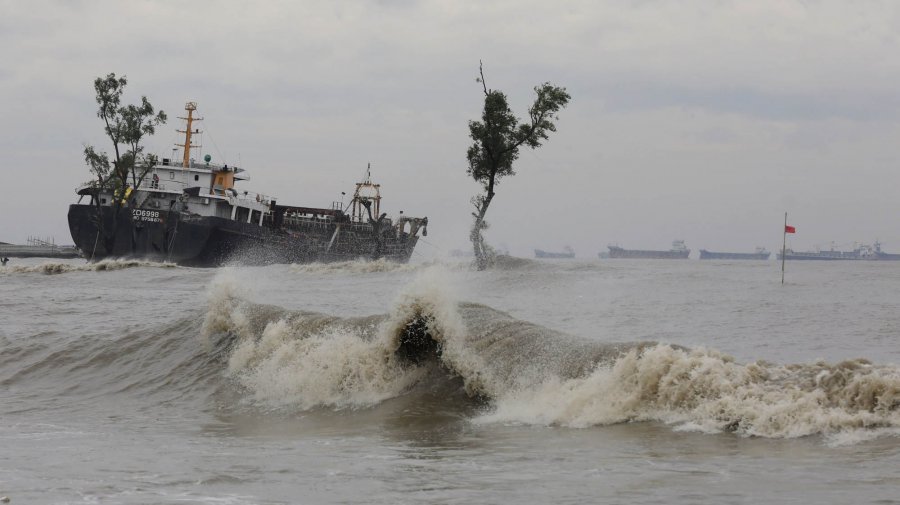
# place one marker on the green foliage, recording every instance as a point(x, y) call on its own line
point(126, 126)
point(495, 147)
point(98, 165)
point(491, 155)
point(499, 135)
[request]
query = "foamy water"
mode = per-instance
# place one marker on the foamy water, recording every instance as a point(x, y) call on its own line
point(368, 382)
point(534, 375)
point(62, 267)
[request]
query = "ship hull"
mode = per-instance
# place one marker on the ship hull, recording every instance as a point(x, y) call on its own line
point(209, 241)
point(813, 257)
point(839, 256)
point(553, 255)
point(710, 255)
point(618, 252)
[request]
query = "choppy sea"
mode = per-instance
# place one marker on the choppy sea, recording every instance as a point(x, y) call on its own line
point(552, 381)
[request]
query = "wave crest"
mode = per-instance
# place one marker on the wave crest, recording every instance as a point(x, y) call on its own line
point(53, 268)
point(354, 267)
point(707, 391)
point(534, 375)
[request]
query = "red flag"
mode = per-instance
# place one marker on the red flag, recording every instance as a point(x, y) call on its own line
point(789, 229)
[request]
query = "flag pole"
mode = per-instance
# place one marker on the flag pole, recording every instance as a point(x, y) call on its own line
point(783, 245)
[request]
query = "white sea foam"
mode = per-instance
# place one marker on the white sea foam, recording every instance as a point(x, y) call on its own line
point(227, 305)
point(363, 266)
point(534, 375)
point(52, 268)
point(303, 360)
point(336, 367)
point(355, 267)
point(703, 390)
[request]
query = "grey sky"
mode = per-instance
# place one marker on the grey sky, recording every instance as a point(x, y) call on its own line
point(704, 120)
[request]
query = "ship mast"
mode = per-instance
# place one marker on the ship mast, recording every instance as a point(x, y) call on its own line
point(190, 107)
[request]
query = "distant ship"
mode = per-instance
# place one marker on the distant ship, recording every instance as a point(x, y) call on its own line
point(568, 252)
point(862, 253)
point(760, 254)
point(678, 251)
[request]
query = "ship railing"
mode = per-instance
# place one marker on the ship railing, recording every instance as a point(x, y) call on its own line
point(324, 222)
point(168, 186)
point(247, 196)
point(168, 164)
point(176, 186)
point(11, 249)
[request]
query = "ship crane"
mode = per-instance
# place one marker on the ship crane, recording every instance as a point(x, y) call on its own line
point(367, 194)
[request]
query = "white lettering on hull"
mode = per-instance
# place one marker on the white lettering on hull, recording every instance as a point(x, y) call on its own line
point(150, 216)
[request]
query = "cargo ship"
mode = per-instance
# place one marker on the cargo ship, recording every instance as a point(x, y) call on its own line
point(566, 253)
point(861, 253)
point(192, 213)
point(760, 254)
point(678, 251)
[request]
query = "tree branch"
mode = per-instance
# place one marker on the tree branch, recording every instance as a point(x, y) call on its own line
point(483, 83)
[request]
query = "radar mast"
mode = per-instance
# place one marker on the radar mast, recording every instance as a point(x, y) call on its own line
point(190, 107)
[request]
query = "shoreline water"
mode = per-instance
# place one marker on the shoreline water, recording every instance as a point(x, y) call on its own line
point(118, 387)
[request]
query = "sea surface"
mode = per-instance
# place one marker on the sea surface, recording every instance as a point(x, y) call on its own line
point(541, 381)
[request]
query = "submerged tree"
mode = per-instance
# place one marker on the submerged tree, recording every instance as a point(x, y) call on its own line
point(497, 139)
point(126, 126)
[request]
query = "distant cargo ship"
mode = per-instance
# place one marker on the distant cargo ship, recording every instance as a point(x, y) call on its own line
point(678, 251)
point(568, 252)
point(861, 253)
point(760, 254)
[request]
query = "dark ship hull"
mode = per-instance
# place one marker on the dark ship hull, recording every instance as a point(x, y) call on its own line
point(839, 256)
point(553, 255)
point(709, 255)
point(817, 256)
point(618, 252)
point(194, 240)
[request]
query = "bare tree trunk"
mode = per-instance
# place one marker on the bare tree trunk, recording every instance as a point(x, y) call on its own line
point(483, 254)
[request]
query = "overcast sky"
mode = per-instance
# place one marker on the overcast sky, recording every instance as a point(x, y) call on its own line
point(703, 121)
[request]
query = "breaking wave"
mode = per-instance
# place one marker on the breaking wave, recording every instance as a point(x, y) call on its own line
point(52, 268)
point(361, 266)
point(704, 390)
point(529, 374)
